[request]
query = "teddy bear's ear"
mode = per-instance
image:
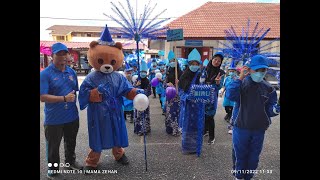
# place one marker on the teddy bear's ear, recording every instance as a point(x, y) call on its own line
point(93, 44)
point(118, 45)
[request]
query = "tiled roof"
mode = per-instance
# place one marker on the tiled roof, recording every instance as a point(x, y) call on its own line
point(65, 29)
point(86, 44)
point(211, 19)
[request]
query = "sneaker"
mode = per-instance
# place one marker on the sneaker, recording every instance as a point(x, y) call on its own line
point(88, 170)
point(75, 166)
point(123, 160)
point(56, 176)
point(206, 134)
point(211, 141)
point(230, 132)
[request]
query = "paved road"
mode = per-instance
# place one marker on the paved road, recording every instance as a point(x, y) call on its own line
point(164, 157)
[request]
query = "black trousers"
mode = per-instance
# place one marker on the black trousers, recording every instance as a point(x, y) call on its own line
point(160, 99)
point(128, 112)
point(54, 134)
point(154, 91)
point(209, 126)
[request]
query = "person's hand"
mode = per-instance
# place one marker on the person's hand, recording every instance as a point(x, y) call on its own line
point(70, 97)
point(177, 81)
point(221, 94)
point(218, 78)
point(152, 71)
point(138, 83)
point(103, 88)
point(140, 91)
point(244, 72)
point(170, 84)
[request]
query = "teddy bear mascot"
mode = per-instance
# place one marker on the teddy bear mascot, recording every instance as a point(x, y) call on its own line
point(101, 93)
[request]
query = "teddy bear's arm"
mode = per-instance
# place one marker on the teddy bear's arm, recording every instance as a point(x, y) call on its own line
point(131, 94)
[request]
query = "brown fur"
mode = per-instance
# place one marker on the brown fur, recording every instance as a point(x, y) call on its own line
point(106, 53)
point(131, 94)
point(95, 96)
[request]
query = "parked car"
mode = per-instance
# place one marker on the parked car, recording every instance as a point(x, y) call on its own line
point(270, 77)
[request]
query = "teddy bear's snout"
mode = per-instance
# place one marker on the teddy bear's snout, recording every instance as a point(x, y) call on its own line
point(106, 68)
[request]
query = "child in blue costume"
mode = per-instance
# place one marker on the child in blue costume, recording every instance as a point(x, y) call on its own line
point(142, 118)
point(255, 102)
point(152, 74)
point(160, 89)
point(172, 105)
point(127, 103)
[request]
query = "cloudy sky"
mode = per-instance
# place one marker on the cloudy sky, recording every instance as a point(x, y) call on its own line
point(90, 13)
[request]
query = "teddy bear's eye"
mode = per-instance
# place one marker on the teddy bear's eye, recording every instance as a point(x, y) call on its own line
point(113, 62)
point(100, 61)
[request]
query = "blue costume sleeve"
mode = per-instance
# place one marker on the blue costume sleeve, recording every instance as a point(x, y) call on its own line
point(84, 93)
point(125, 86)
point(271, 104)
point(233, 90)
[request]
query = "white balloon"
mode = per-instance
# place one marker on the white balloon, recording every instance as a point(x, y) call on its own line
point(141, 102)
point(156, 71)
point(134, 78)
point(159, 75)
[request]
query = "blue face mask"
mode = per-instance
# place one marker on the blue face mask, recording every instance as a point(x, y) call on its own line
point(143, 75)
point(231, 73)
point(258, 76)
point(194, 68)
point(172, 64)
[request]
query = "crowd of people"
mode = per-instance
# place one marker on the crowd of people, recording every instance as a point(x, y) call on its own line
point(249, 103)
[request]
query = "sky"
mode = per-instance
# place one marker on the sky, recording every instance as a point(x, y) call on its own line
point(91, 12)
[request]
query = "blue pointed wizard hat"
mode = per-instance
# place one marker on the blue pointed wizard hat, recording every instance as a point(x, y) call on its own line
point(171, 55)
point(194, 56)
point(128, 68)
point(105, 38)
point(143, 66)
point(232, 65)
point(205, 62)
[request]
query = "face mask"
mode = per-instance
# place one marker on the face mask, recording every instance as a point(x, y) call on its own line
point(172, 64)
point(258, 76)
point(143, 75)
point(194, 68)
point(231, 73)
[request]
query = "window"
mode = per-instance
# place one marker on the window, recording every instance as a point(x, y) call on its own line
point(89, 35)
point(60, 38)
point(178, 52)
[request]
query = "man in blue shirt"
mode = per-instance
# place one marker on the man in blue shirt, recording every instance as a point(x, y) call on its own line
point(58, 84)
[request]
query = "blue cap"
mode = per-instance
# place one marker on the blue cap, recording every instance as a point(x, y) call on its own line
point(171, 55)
point(59, 47)
point(257, 62)
point(161, 63)
point(219, 54)
point(194, 56)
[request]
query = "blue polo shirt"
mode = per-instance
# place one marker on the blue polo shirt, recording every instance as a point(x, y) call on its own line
point(58, 83)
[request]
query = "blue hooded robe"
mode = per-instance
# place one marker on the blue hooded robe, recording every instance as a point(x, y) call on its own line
point(106, 124)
